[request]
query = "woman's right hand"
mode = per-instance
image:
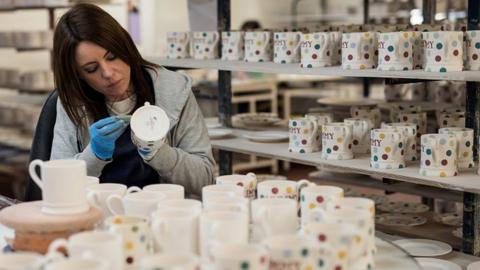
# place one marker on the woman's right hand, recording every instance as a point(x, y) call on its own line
point(103, 135)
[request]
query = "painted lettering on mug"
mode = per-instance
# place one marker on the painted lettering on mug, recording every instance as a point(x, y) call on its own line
point(469, 43)
point(306, 44)
point(327, 135)
point(428, 44)
point(280, 42)
point(294, 130)
point(344, 44)
point(376, 142)
point(381, 45)
point(282, 265)
point(250, 193)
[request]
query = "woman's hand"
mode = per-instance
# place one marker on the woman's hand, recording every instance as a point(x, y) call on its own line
point(103, 135)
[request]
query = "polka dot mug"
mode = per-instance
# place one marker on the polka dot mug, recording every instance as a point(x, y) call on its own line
point(233, 47)
point(361, 134)
point(409, 131)
point(438, 155)
point(273, 216)
point(281, 188)
point(205, 45)
point(395, 50)
point(443, 51)
point(316, 50)
point(388, 149)
point(464, 145)
point(359, 50)
point(321, 119)
point(258, 46)
point(303, 134)
point(473, 50)
point(286, 47)
point(372, 113)
point(247, 182)
point(452, 119)
point(178, 45)
point(240, 257)
point(318, 198)
point(337, 139)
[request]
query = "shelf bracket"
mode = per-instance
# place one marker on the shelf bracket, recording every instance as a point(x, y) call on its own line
point(225, 88)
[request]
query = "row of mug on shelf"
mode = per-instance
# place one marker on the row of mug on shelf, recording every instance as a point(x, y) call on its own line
point(438, 51)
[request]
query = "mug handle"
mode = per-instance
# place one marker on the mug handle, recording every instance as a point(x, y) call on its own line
point(55, 245)
point(33, 173)
point(93, 200)
point(251, 174)
point(299, 41)
point(304, 183)
point(266, 40)
point(315, 128)
point(216, 38)
point(158, 228)
point(133, 189)
point(348, 134)
point(111, 200)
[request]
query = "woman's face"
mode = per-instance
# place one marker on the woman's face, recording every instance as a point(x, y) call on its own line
point(103, 71)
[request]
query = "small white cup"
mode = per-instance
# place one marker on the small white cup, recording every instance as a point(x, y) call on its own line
point(221, 190)
point(92, 180)
point(171, 191)
point(443, 51)
point(238, 204)
point(273, 216)
point(97, 194)
point(439, 155)
point(258, 46)
point(358, 50)
point(464, 145)
point(286, 47)
point(141, 203)
point(191, 205)
point(205, 45)
point(233, 47)
point(303, 135)
point(61, 195)
point(318, 198)
point(248, 182)
point(281, 188)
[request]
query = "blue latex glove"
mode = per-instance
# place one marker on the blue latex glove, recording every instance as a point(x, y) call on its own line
point(103, 135)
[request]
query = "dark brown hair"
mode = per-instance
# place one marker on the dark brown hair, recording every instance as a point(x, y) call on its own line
point(87, 22)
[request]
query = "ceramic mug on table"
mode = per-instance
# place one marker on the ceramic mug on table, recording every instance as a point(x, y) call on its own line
point(239, 204)
point(171, 191)
point(438, 155)
point(473, 50)
point(149, 125)
point(395, 50)
point(281, 188)
point(318, 198)
point(409, 131)
point(248, 182)
point(103, 245)
point(136, 236)
point(360, 134)
point(337, 141)
point(205, 45)
point(191, 205)
point(443, 51)
point(273, 216)
point(61, 195)
point(286, 47)
point(464, 145)
point(141, 203)
point(233, 46)
point(419, 119)
point(97, 194)
point(358, 50)
point(178, 45)
point(321, 119)
point(258, 46)
point(212, 191)
point(303, 133)
point(170, 260)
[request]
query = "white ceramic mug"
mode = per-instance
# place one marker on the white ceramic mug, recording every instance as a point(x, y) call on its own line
point(358, 50)
point(178, 45)
point(286, 47)
point(409, 131)
point(438, 155)
point(240, 257)
point(273, 216)
point(233, 46)
point(443, 51)
point(303, 134)
point(360, 134)
point(388, 149)
point(464, 145)
point(141, 203)
point(97, 194)
point(61, 195)
point(337, 141)
point(316, 50)
point(149, 125)
point(205, 45)
point(321, 119)
point(396, 50)
point(194, 206)
point(258, 46)
point(21, 261)
point(171, 191)
point(79, 264)
point(281, 188)
point(316, 198)
point(239, 204)
point(102, 245)
point(248, 182)
point(170, 260)
point(221, 190)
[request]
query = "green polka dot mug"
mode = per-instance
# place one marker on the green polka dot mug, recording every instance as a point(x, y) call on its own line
point(359, 50)
point(178, 45)
point(303, 134)
point(205, 45)
point(136, 237)
point(473, 50)
point(258, 46)
point(443, 51)
point(464, 145)
point(388, 149)
point(233, 47)
point(316, 50)
point(438, 155)
point(286, 47)
point(361, 134)
point(337, 139)
point(240, 257)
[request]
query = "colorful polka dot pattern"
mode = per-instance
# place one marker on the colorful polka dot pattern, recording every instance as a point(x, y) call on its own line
point(178, 45)
point(321, 119)
point(361, 134)
point(316, 50)
point(395, 51)
point(419, 119)
point(303, 133)
point(280, 191)
point(286, 47)
point(409, 131)
point(303, 258)
point(249, 184)
point(233, 47)
point(388, 149)
point(369, 112)
point(438, 155)
point(443, 51)
point(205, 45)
point(464, 145)
point(359, 50)
point(258, 46)
point(311, 201)
point(137, 241)
point(472, 45)
point(456, 119)
point(396, 109)
point(337, 141)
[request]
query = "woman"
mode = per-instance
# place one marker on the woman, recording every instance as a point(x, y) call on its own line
point(100, 75)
